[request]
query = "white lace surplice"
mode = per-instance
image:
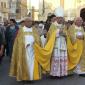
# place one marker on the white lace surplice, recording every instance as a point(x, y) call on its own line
point(59, 57)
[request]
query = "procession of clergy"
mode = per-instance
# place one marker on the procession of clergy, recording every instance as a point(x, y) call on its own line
point(62, 54)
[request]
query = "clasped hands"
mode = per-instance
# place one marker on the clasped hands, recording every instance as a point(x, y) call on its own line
point(80, 37)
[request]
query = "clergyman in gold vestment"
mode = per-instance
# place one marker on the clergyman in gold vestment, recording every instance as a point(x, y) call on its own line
point(23, 64)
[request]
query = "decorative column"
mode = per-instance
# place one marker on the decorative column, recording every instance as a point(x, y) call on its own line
point(62, 3)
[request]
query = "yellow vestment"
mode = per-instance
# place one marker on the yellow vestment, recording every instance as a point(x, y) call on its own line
point(75, 48)
point(18, 67)
point(42, 55)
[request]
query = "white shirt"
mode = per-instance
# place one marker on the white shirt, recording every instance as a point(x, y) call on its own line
point(29, 39)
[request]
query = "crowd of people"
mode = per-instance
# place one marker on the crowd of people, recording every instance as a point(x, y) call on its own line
point(36, 48)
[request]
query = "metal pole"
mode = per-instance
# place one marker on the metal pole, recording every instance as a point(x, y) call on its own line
point(43, 6)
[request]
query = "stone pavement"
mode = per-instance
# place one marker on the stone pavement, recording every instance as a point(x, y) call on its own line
point(6, 80)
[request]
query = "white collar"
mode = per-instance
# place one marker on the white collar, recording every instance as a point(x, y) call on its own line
point(76, 27)
point(26, 29)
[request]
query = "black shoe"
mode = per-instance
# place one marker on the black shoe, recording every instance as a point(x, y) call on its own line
point(83, 75)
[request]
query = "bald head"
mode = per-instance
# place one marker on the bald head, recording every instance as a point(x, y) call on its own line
point(78, 21)
point(28, 22)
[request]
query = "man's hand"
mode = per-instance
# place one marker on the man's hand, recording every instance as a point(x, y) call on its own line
point(61, 31)
point(27, 45)
point(1, 50)
point(80, 37)
point(1, 53)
